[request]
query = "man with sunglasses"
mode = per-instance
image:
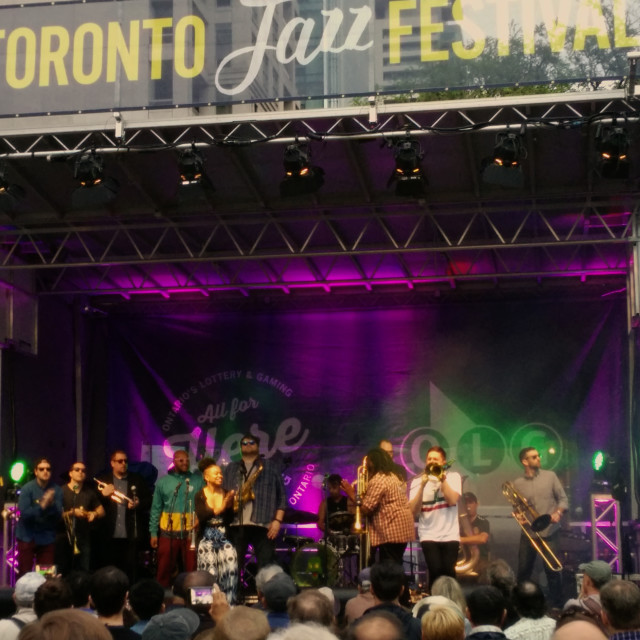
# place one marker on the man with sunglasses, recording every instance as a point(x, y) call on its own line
point(544, 493)
point(124, 524)
point(172, 518)
point(260, 505)
point(81, 506)
point(40, 506)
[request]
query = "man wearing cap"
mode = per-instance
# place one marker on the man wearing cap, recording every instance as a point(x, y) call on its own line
point(40, 506)
point(176, 624)
point(355, 607)
point(275, 594)
point(595, 575)
point(23, 596)
point(476, 533)
point(171, 520)
point(260, 505)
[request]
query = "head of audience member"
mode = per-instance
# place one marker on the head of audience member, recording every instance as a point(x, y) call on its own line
point(577, 612)
point(379, 462)
point(265, 574)
point(364, 580)
point(311, 605)
point(179, 623)
point(146, 598)
point(620, 601)
point(387, 581)
point(26, 587)
point(66, 624)
point(79, 582)
point(51, 595)
point(499, 574)
point(595, 575)
point(529, 600)
point(380, 625)
point(486, 606)
point(442, 623)
point(449, 588)
point(578, 630)
point(277, 592)
point(108, 590)
point(304, 631)
point(241, 623)
point(428, 602)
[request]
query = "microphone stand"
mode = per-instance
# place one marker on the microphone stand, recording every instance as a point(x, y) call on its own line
point(74, 540)
point(170, 523)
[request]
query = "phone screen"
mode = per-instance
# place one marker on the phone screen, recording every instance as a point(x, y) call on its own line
point(48, 570)
point(201, 595)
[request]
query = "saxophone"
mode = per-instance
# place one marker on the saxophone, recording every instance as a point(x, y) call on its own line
point(246, 493)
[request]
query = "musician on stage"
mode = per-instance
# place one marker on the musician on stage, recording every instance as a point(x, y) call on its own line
point(260, 502)
point(81, 507)
point(478, 532)
point(385, 504)
point(387, 447)
point(340, 507)
point(40, 506)
point(125, 525)
point(544, 493)
point(172, 523)
point(434, 498)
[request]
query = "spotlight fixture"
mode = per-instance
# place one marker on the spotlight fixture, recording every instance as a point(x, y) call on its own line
point(612, 152)
point(95, 188)
point(89, 169)
point(407, 174)
point(190, 166)
point(301, 177)
point(504, 167)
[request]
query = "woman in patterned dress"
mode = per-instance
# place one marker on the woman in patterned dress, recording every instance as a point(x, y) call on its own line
point(215, 553)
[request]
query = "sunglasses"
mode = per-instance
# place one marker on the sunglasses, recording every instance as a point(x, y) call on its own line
point(246, 442)
point(43, 468)
point(81, 469)
point(121, 461)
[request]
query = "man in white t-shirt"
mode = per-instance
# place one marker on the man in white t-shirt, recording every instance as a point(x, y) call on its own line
point(434, 498)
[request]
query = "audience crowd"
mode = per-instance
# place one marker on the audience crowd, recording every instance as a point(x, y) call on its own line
point(105, 606)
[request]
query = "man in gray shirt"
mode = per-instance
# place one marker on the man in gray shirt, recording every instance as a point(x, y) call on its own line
point(544, 493)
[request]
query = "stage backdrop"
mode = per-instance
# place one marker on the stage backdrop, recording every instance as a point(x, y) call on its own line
point(320, 388)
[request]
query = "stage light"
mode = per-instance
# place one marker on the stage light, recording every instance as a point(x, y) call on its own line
point(89, 169)
point(612, 152)
point(504, 167)
point(598, 461)
point(301, 177)
point(18, 472)
point(408, 174)
point(190, 166)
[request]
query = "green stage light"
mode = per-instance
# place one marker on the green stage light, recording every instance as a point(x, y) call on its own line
point(598, 461)
point(18, 471)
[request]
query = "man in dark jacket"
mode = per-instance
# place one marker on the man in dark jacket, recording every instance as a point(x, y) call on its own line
point(486, 610)
point(125, 497)
point(387, 585)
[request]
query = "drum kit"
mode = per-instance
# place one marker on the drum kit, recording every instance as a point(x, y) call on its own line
point(332, 561)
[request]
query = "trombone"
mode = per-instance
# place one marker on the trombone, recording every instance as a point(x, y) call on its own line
point(531, 523)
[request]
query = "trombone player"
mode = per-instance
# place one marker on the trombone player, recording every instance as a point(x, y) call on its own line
point(544, 493)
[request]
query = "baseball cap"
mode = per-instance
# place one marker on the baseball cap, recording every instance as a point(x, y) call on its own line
point(278, 590)
point(26, 587)
point(597, 570)
point(176, 624)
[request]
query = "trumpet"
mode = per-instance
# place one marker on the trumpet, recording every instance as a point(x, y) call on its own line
point(438, 470)
point(531, 523)
point(116, 496)
point(70, 528)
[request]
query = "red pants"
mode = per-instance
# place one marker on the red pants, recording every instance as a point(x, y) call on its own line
point(170, 551)
point(28, 551)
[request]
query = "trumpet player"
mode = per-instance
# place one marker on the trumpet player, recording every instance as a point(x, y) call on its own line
point(544, 493)
point(433, 497)
point(125, 498)
point(172, 521)
point(259, 504)
point(81, 506)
